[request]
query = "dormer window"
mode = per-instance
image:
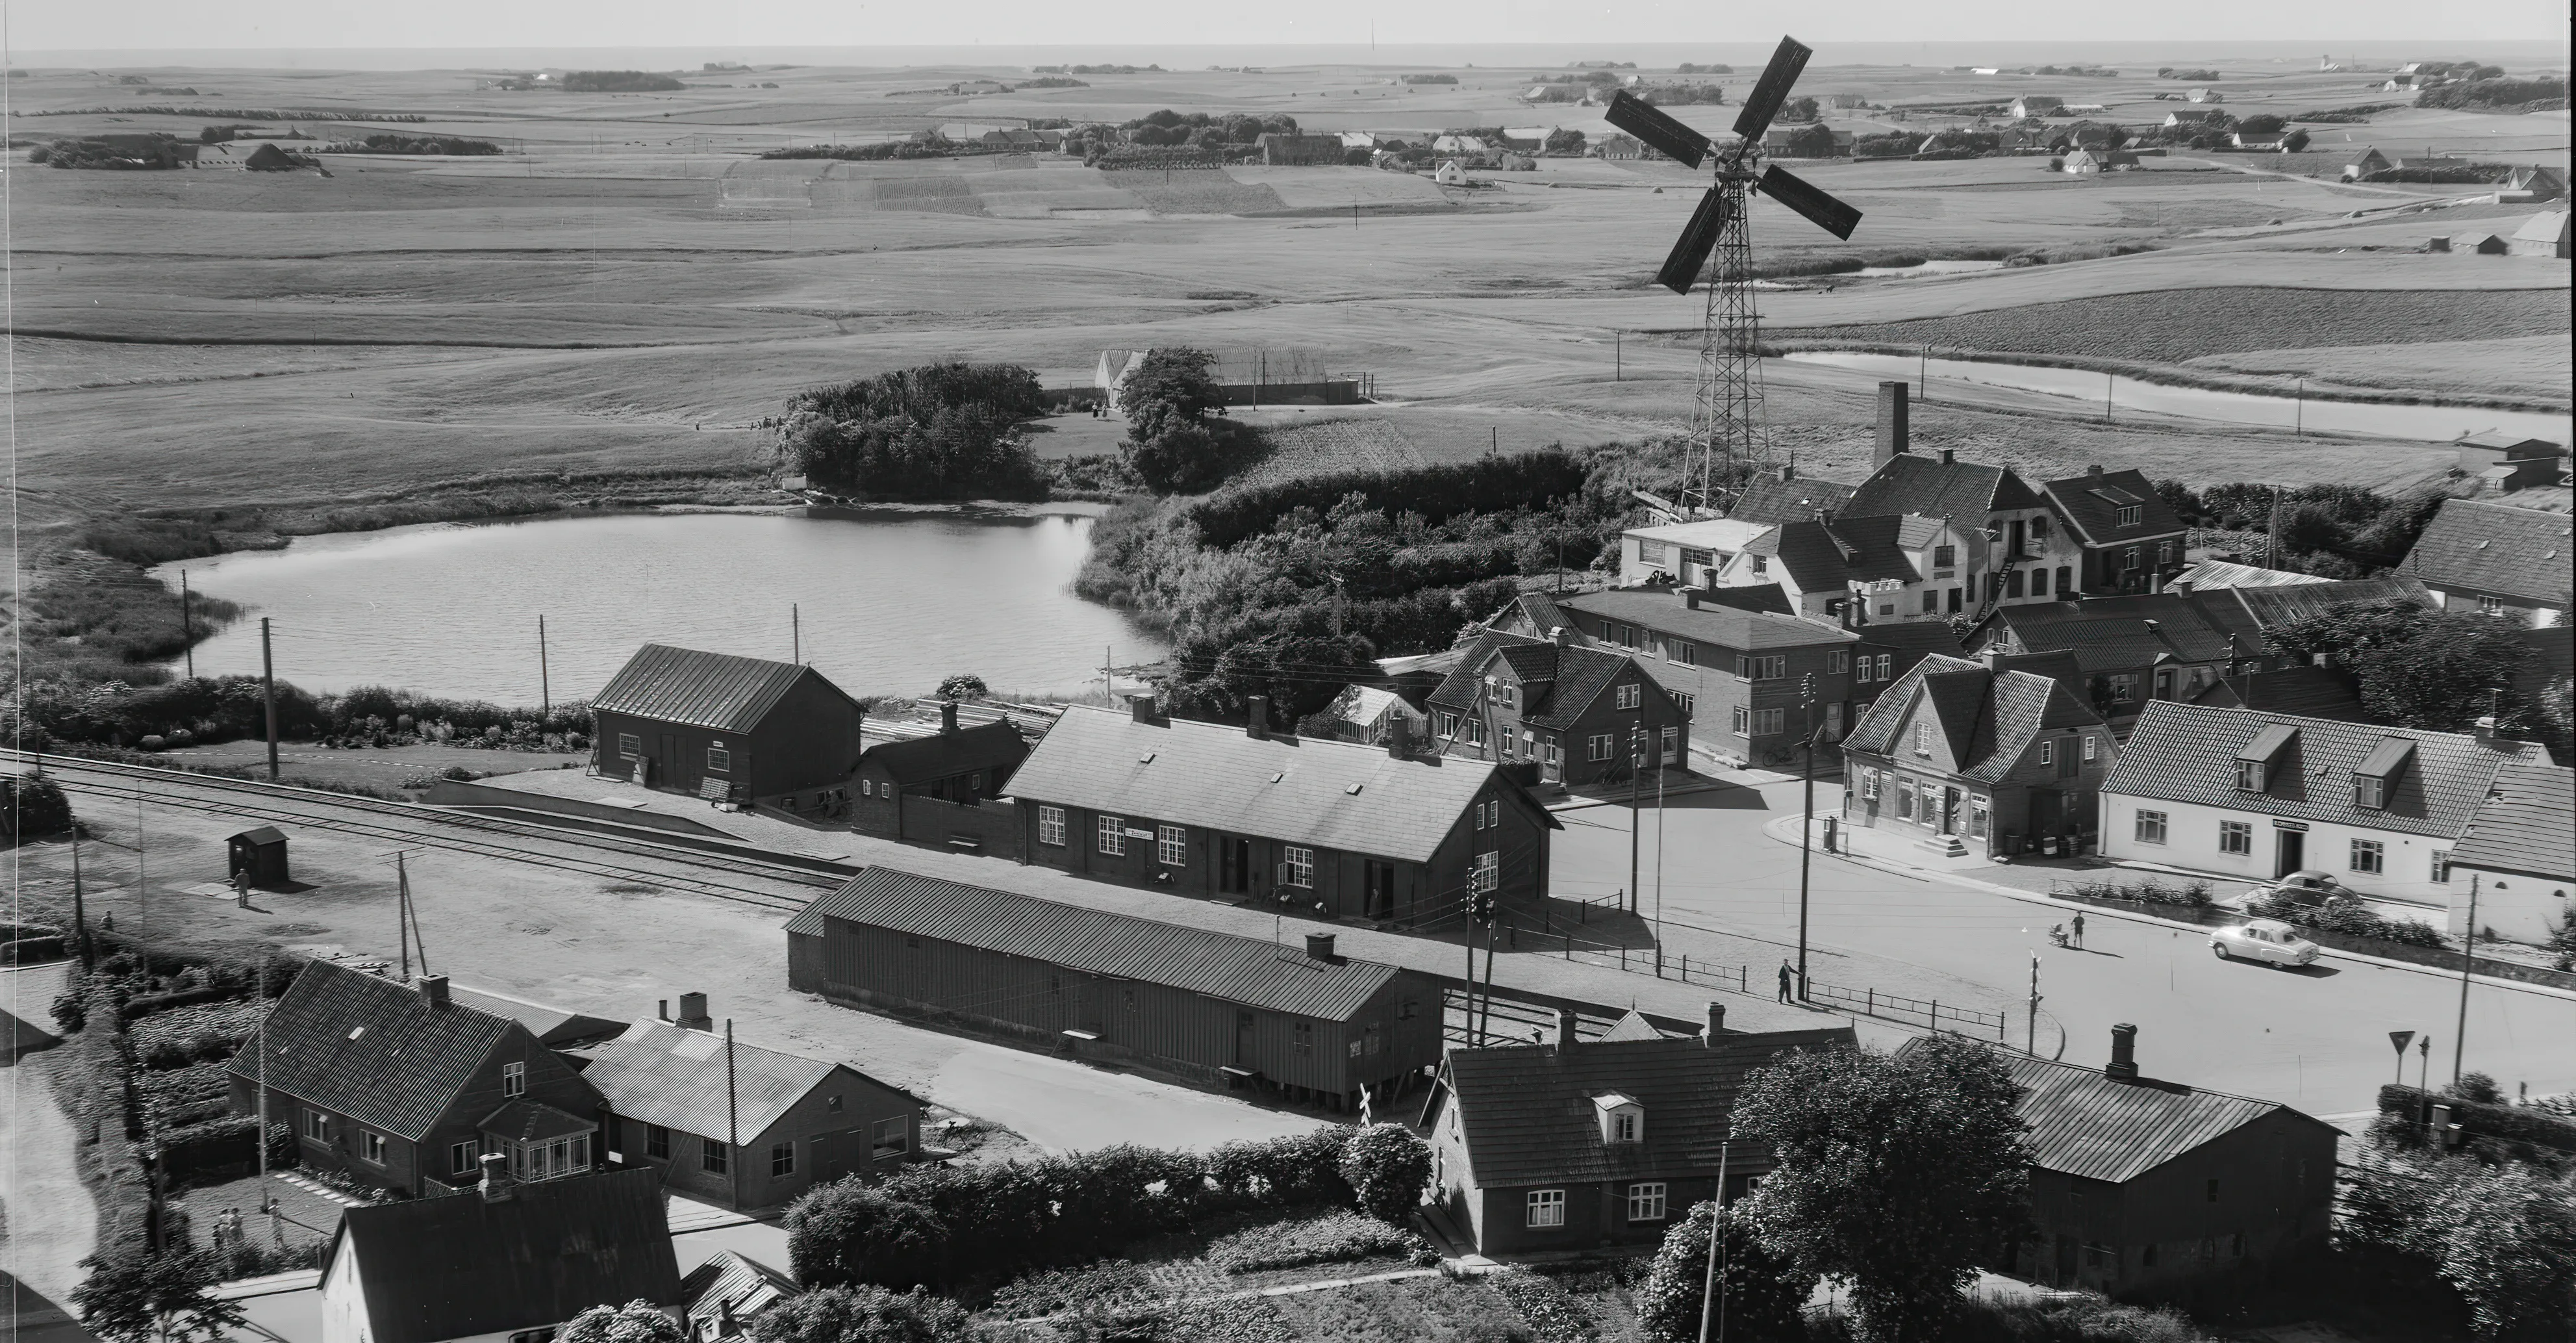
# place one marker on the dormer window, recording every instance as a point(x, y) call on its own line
point(2249, 776)
point(1945, 557)
point(2376, 777)
point(1923, 739)
point(2133, 515)
point(1761, 566)
point(2254, 764)
point(1623, 1120)
point(1506, 695)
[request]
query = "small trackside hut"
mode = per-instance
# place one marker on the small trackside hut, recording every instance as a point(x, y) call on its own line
point(730, 729)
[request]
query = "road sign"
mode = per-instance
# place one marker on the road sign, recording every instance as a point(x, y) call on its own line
point(2401, 1039)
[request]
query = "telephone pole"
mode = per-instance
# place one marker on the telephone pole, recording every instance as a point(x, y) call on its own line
point(1636, 773)
point(2030, 1041)
point(268, 695)
point(545, 682)
point(187, 630)
point(2468, 960)
point(795, 634)
point(402, 913)
point(1806, 822)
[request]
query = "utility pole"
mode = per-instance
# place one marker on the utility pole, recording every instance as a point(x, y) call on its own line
point(2299, 416)
point(2107, 380)
point(80, 914)
point(795, 635)
point(1710, 1298)
point(545, 682)
point(1493, 915)
point(1636, 769)
point(402, 913)
point(2468, 959)
point(2030, 1040)
point(142, 892)
point(1618, 356)
point(187, 631)
point(1659, 867)
point(1806, 823)
point(1922, 372)
point(733, 1121)
point(2423, 1065)
point(268, 695)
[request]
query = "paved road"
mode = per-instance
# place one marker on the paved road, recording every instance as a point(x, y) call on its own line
point(47, 1222)
point(2316, 1039)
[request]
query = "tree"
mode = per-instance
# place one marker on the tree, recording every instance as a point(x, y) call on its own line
point(635, 1322)
point(2261, 123)
point(847, 1232)
point(862, 1314)
point(1169, 442)
point(1388, 1167)
point(1812, 142)
point(963, 685)
point(30, 805)
point(2503, 1238)
point(1565, 140)
point(1762, 1290)
point(2295, 141)
point(2439, 671)
point(1898, 1174)
point(134, 1295)
point(1798, 109)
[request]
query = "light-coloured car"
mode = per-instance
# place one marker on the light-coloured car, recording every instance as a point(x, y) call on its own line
point(2267, 940)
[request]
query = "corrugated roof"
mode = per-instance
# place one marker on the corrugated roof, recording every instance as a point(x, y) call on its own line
point(2091, 505)
point(2526, 823)
point(1221, 965)
point(675, 1077)
point(1528, 1118)
point(710, 690)
point(374, 1050)
point(730, 1285)
point(1911, 483)
point(2085, 1124)
point(455, 1267)
point(1711, 626)
point(2217, 575)
point(993, 747)
point(1337, 795)
point(2187, 753)
point(2497, 549)
point(2268, 605)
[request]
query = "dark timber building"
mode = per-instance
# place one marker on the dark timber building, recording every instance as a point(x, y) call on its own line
point(729, 729)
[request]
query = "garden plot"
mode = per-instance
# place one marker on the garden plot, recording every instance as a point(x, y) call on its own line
point(1326, 188)
point(946, 195)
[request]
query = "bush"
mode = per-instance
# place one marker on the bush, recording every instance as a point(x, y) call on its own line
point(963, 685)
point(1763, 1291)
point(2346, 915)
point(1387, 1167)
point(634, 1322)
point(861, 1315)
point(1334, 1238)
point(2504, 1239)
point(2490, 1118)
point(30, 805)
point(944, 430)
point(851, 1233)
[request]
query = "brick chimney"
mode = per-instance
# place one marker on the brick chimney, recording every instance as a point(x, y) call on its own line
point(1894, 435)
point(1560, 636)
point(1789, 470)
point(1993, 657)
point(1399, 736)
point(497, 1185)
point(1565, 1033)
point(948, 718)
point(2124, 1054)
point(1691, 596)
point(693, 1013)
point(2485, 729)
point(1319, 946)
point(1716, 1022)
point(1141, 708)
point(2094, 471)
point(432, 989)
point(1949, 456)
point(1257, 725)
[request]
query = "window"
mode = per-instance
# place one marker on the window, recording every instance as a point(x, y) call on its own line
point(1481, 822)
point(1597, 746)
point(657, 1142)
point(2048, 753)
point(1487, 874)
point(2039, 582)
point(1301, 1039)
point(2065, 579)
point(1770, 722)
point(2249, 776)
point(782, 1159)
point(1761, 566)
point(1976, 818)
point(1869, 785)
point(514, 1079)
point(1113, 835)
point(317, 1126)
point(2122, 686)
point(1171, 845)
point(1683, 653)
point(2213, 1192)
point(2236, 837)
point(1770, 668)
point(1945, 557)
point(2039, 529)
point(465, 1158)
point(2090, 742)
point(1506, 695)
point(1835, 661)
point(1632, 695)
point(2369, 855)
point(2129, 558)
point(714, 1157)
point(1886, 661)
point(1650, 552)
point(719, 760)
point(1669, 741)
point(1448, 725)
point(1743, 721)
point(2370, 791)
point(1547, 1207)
point(371, 1147)
point(1051, 825)
point(2442, 865)
point(1931, 601)
point(1904, 798)
point(2164, 552)
point(867, 788)
point(2151, 827)
point(1475, 731)
point(1861, 672)
point(628, 744)
point(2132, 515)
point(2490, 606)
point(1646, 1202)
point(890, 1138)
point(1300, 864)
point(1923, 739)
point(1688, 704)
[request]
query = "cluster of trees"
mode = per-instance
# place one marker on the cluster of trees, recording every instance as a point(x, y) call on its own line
point(2190, 76)
point(1684, 95)
point(2332, 531)
point(2493, 91)
point(938, 431)
point(1173, 442)
point(125, 153)
point(1053, 82)
point(2439, 671)
point(414, 144)
point(2077, 71)
point(2458, 70)
point(873, 150)
point(2345, 115)
point(1430, 79)
point(1203, 130)
point(206, 709)
point(618, 81)
point(216, 135)
point(1689, 69)
point(1092, 69)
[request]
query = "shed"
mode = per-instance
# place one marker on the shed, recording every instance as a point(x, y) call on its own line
point(258, 854)
point(2542, 235)
point(731, 729)
point(2484, 244)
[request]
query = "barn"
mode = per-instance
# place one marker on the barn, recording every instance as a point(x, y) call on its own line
point(2541, 235)
point(729, 729)
point(1208, 1007)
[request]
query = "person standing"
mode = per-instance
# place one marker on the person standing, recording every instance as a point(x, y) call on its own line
point(1785, 973)
point(2079, 931)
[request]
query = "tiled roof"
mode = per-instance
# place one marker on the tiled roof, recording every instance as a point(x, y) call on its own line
point(1710, 626)
point(1242, 970)
point(554, 1027)
point(2091, 505)
point(1528, 1116)
point(1464, 682)
point(709, 690)
point(2119, 633)
point(2310, 692)
point(1989, 718)
point(1922, 636)
point(2187, 753)
point(1911, 483)
point(459, 1266)
point(1338, 795)
point(1581, 675)
point(676, 1077)
point(369, 1048)
point(994, 747)
point(1771, 501)
point(2527, 823)
point(1822, 557)
point(1560, 681)
point(2497, 549)
point(2086, 1124)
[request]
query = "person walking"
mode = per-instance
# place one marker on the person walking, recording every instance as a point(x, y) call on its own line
point(2079, 932)
point(1785, 972)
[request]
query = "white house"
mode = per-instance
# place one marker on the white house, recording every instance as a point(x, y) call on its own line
point(2252, 795)
point(1688, 553)
point(2518, 856)
point(1449, 174)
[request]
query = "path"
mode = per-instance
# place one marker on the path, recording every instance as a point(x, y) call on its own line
point(50, 1223)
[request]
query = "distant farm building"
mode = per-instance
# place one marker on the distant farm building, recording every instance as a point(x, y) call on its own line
point(2503, 462)
point(2100, 160)
point(2206, 96)
point(2483, 244)
point(2275, 143)
point(2371, 161)
point(1618, 147)
point(2543, 235)
point(1300, 150)
point(1449, 174)
point(2036, 105)
point(2192, 116)
point(1459, 144)
point(1249, 378)
point(2532, 183)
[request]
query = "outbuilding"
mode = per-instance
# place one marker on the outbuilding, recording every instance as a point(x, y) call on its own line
point(923, 789)
point(2542, 235)
point(730, 729)
point(257, 855)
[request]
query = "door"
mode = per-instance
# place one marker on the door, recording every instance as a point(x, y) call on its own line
point(1380, 880)
point(1669, 746)
point(2065, 1261)
point(669, 761)
point(1834, 721)
point(2165, 683)
point(2293, 852)
point(1949, 811)
point(2047, 811)
point(1234, 856)
point(1243, 1039)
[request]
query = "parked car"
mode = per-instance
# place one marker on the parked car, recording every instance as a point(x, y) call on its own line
point(2307, 886)
point(2267, 940)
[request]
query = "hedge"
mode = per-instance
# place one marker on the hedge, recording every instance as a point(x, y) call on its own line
point(2513, 1122)
point(1486, 485)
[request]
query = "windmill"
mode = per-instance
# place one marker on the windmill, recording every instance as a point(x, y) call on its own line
point(1730, 371)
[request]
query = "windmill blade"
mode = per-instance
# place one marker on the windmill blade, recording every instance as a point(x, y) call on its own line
point(1763, 103)
point(1819, 206)
point(1658, 129)
point(1690, 251)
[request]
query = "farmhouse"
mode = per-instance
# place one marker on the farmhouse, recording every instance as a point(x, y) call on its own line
point(913, 789)
point(2099, 160)
point(2036, 105)
point(1575, 1144)
point(1978, 755)
point(738, 1125)
point(1615, 147)
point(2473, 244)
point(2126, 537)
point(1210, 1007)
point(730, 729)
point(2505, 462)
point(511, 1261)
point(401, 1087)
point(1449, 174)
point(2534, 182)
point(2140, 1184)
point(2212, 96)
point(1998, 524)
point(2194, 116)
point(1339, 829)
point(2274, 142)
point(1459, 144)
point(1739, 675)
point(2251, 794)
point(2496, 559)
point(1584, 715)
point(2542, 235)
point(2370, 161)
point(2520, 851)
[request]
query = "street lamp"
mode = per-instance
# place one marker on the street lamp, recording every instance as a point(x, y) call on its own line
point(1806, 821)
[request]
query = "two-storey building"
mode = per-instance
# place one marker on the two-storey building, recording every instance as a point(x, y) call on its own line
point(2125, 537)
point(1394, 832)
point(1582, 714)
point(2498, 560)
point(1977, 757)
point(2004, 548)
point(1754, 683)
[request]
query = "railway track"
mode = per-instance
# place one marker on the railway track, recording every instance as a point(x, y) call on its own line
point(670, 867)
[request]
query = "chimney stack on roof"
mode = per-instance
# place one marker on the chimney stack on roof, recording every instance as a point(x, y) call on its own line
point(1560, 636)
point(1319, 946)
point(496, 1178)
point(693, 1013)
point(1691, 596)
point(1788, 472)
point(1257, 725)
point(2486, 727)
point(1565, 1033)
point(948, 718)
point(1716, 1022)
point(432, 989)
point(2180, 587)
point(1399, 735)
point(1893, 434)
point(2094, 470)
point(1993, 657)
point(2124, 1054)
point(1141, 708)
point(662, 1008)
point(1949, 456)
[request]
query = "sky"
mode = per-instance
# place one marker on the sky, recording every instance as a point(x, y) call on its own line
point(172, 29)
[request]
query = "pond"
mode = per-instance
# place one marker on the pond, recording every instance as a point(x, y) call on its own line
point(2082, 390)
point(883, 602)
point(1928, 268)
